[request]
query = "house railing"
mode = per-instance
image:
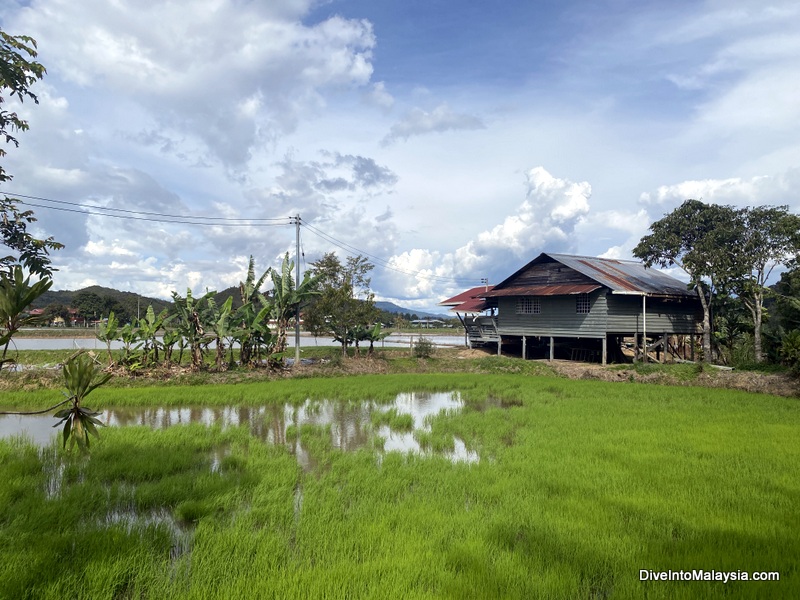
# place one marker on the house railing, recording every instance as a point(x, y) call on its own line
point(482, 330)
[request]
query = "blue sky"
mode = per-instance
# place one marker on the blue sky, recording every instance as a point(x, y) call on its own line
point(451, 141)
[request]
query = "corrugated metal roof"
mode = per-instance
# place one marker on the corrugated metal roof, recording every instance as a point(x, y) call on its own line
point(470, 294)
point(625, 276)
point(475, 305)
point(543, 290)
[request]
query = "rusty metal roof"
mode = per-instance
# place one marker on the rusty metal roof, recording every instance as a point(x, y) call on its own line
point(620, 276)
point(475, 305)
point(543, 290)
point(463, 297)
point(625, 276)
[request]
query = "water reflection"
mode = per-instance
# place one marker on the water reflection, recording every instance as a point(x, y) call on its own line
point(350, 423)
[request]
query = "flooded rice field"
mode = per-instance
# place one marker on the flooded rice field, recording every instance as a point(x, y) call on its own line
point(401, 425)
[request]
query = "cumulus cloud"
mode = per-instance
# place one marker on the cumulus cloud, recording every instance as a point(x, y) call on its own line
point(440, 119)
point(546, 220)
point(227, 92)
point(781, 188)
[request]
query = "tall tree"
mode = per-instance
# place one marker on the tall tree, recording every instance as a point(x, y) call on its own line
point(700, 239)
point(18, 72)
point(770, 236)
point(345, 300)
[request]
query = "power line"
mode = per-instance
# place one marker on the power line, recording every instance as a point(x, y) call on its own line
point(134, 215)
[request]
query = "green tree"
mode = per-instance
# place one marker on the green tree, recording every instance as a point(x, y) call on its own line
point(286, 299)
point(16, 295)
point(57, 312)
point(219, 323)
point(18, 72)
point(700, 239)
point(345, 301)
point(148, 328)
point(769, 236)
point(251, 328)
point(190, 324)
point(108, 331)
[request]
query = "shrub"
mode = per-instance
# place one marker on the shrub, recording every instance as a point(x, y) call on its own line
point(423, 348)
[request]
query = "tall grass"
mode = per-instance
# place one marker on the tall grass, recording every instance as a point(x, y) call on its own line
point(580, 484)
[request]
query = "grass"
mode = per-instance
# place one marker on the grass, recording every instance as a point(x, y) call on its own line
point(580, 484)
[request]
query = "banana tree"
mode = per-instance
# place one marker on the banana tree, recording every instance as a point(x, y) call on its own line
point(108, 332)
point(286, 298)
point(250, 319)
point(190, 323)
point(219, 322)
point(148, 329)
point(16, 295)
point(251, 329)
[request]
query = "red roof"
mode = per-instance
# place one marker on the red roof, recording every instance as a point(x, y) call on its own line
point(469, 301)
point(471, 293)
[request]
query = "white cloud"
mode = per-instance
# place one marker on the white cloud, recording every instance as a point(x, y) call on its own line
point(180, 62)
point(379, 96)
point(440, 119)
point(546, 220)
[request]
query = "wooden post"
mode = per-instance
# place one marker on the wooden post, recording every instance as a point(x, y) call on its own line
point(605, 350)
point(499, 345)
point(523, 347)
point(644, 328)
point(552, 348)
point(664, 346)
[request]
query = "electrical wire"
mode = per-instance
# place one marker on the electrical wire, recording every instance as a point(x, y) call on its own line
point(134, 215)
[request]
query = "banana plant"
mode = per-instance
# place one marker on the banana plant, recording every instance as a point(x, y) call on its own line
point(81, 377)
point(190, 323)
point(219, 322)
point(108, 332)
point(286, 299)
point(148, 329)
point(16, 295)
point(168, 341)
point(250, 327)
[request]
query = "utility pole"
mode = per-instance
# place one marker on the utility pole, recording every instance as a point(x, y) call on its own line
point(296, 287)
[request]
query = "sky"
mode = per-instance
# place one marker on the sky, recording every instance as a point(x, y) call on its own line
point(447, 141)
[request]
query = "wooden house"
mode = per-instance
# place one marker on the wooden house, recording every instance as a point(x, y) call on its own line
point(584, 308)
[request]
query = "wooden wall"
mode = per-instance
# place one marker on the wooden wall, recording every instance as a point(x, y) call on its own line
point(609, 314)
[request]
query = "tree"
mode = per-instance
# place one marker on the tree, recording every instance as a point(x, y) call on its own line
point(345, 300)
point(250, 327)
point(699, 238)
point(190, 325)
point(770, 236)
point(18, 72)
point(16, 295)
point(286, 298)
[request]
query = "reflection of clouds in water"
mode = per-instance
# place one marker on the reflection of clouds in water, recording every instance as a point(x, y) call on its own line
point(350, 423)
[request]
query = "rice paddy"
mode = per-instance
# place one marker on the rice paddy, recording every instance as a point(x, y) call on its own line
point(574, 488)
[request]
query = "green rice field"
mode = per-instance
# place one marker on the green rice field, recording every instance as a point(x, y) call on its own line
point(576, 487)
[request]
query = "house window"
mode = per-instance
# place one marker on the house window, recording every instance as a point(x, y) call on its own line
point(582, 304)
point(528, 306)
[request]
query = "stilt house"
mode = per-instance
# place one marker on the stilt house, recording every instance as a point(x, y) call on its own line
point(584, 308)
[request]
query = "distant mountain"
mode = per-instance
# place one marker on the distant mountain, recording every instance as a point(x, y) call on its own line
point(391, 307)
